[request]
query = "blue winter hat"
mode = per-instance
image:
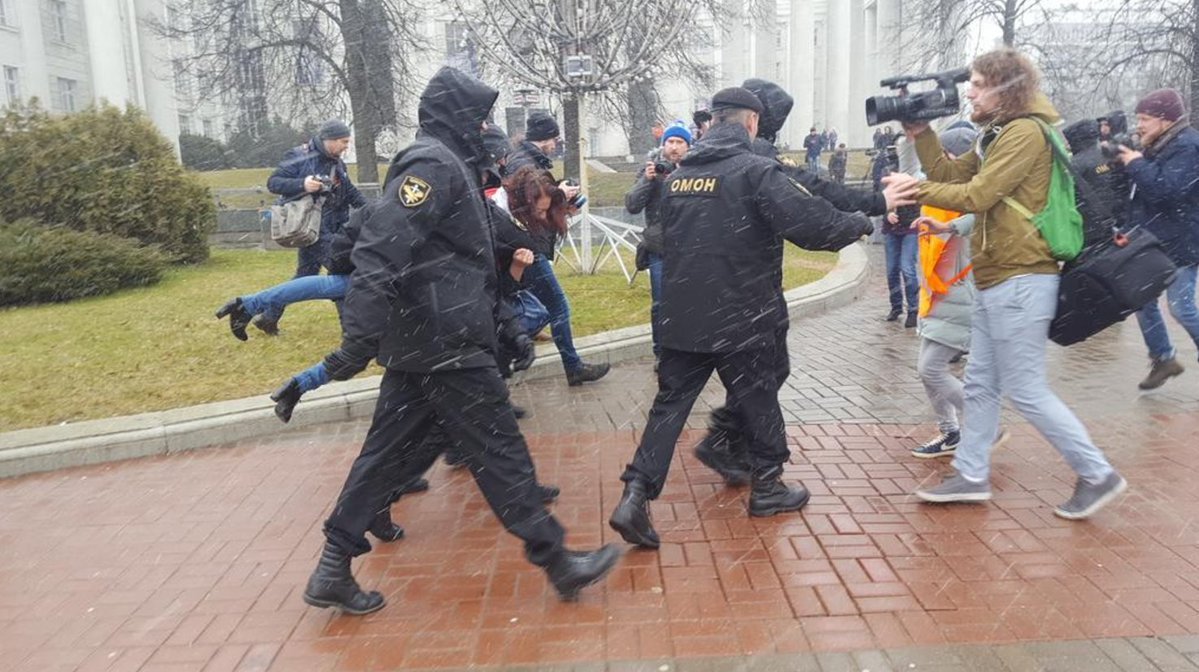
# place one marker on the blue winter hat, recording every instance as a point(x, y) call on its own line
point(677, 130)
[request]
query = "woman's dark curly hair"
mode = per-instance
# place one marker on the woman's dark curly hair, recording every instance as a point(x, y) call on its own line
point(527, 185)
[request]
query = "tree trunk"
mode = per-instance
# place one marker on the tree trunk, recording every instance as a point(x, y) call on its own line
point(365, 32)
point(642, 101)
point(570, 135)
point(1194, 73)
point(1009, 23)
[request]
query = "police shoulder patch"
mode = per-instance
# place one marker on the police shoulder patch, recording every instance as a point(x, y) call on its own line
point(795, 183)
point(695, 186)
point(788, 161)
point(414, 191)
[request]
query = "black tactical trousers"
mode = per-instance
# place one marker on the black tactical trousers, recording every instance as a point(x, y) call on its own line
point(473, 407)
point(750, 379)
point(728, 418)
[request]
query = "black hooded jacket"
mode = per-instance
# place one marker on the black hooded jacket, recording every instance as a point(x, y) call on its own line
point(1104, 200)
point(724, 218)
point(422, 296)
point(777, 104)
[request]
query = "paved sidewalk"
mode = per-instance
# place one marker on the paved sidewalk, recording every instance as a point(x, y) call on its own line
point(196, 561)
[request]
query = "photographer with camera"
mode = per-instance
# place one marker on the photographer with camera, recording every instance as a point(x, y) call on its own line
point(1016, 274)
point(646, 195)
point(1165, 200)
point(1099, 166)
point(315, 169)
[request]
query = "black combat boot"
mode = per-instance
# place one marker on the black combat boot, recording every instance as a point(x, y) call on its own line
point(332, 585)
point(770, 495)
point(572, 571)
point(547, 493)
point(239, 319)
point(286, 398)
point(384, 529)
point(723, 450)
point(631, 517)
point(267, 326)
point(418, 484)
point(587, 373)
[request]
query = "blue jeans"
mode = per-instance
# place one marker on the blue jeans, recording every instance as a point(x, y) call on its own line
point(901, 264)
point(272, 301)
point(540, 279)
point(814, 163)
point(1009, 330)
point(312, 378)
point(655, 292)
point(309, 261)
point(1180, 296)
point(532, 314)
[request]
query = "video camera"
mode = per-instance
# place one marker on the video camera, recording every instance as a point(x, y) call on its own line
point(924, 106)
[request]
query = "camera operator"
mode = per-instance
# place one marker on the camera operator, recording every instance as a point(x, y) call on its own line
point(1098, 165)
point(1165, 200)
point(646, 195)
point(315, 168)
point(1017, 278)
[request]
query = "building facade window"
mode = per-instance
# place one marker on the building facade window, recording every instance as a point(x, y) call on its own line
point(12, 84)
point(58, 20)
point(182, 82)
point(8, 16)
point(209, 128)
point(68, 91)
point(185, 124)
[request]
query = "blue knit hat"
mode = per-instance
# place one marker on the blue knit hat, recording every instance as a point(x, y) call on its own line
point(677, 130)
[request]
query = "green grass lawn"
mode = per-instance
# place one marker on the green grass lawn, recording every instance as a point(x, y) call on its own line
point(160, 347)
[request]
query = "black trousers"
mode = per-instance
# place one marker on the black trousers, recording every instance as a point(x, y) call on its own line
point(473, 407)
point(750, 380)
point(729, 418)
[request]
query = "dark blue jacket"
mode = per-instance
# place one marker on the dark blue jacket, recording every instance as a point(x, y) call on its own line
point(1165, 197)
point(298, 163)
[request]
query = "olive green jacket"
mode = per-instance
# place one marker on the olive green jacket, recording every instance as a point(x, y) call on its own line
point(1018, 163)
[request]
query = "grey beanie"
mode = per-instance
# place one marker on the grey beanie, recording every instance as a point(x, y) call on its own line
point(333, 130)
point(959, 140)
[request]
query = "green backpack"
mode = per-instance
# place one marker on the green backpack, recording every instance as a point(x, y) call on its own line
point(1060, 222)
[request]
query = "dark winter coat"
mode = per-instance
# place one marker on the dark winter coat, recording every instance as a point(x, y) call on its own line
point(1165, 193)
point(311, 159)
point(1104, 200)
point(423, 292)
point(813, 144)
point(647, 195)
point(724, 218)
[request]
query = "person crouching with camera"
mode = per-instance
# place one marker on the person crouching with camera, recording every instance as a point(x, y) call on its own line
point(1165, 200)
point(1017, 279)
point(646, 195)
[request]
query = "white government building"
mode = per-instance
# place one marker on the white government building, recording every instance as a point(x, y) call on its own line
point(829, 54)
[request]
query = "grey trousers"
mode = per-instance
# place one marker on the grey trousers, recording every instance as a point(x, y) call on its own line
point(944, 390)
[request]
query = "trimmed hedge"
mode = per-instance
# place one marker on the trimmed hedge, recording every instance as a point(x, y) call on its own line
point(103, 170)
point(41, 264)
point(202, 153)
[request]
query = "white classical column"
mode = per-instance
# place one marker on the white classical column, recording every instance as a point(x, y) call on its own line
point(856, 133)
point(735, 53)
point(840, 66)
point(766, 58)
point(802, 71)
point(888, 37)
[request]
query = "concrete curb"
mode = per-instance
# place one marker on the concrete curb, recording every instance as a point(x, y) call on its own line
point(47, 448)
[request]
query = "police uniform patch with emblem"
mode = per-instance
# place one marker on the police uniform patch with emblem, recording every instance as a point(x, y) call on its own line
point(788, 161)
point(414, 191)
point(695, 186)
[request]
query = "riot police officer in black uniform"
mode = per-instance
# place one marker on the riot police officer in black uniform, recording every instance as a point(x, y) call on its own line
point(725, 217)
point(423, 299)
point(723, 449)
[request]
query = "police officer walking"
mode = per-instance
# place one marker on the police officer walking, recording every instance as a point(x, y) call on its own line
point(725, 217)
point(423, 300)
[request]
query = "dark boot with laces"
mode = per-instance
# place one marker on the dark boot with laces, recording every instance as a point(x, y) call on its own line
point(572, 571)
point(239, 319)
point(770, 495)
point(587, 373)
point(631, 517)
point(384, 529)
point(286, 398)
point(332, 585)
point(723, 449)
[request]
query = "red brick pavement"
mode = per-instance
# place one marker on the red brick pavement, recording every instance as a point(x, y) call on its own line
point(195, 561)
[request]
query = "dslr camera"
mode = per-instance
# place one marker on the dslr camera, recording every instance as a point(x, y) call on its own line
point(1111, 146)
point(326, 183)
point(923, 106)
point(580, 198)
point(661, 166)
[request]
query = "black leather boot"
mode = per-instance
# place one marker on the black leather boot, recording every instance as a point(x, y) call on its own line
point(573, 571)
point(286, 398)
point(384, 529)
point(587, 373)
point(770, 495)
point(631, 517)
point(267, 326)
point(418, 484)
point(239, 319)
point(332, 585)
point(548, 493)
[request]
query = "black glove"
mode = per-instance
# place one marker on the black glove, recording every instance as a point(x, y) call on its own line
point(523, 352)
point(867, 225)
point(347, 362)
